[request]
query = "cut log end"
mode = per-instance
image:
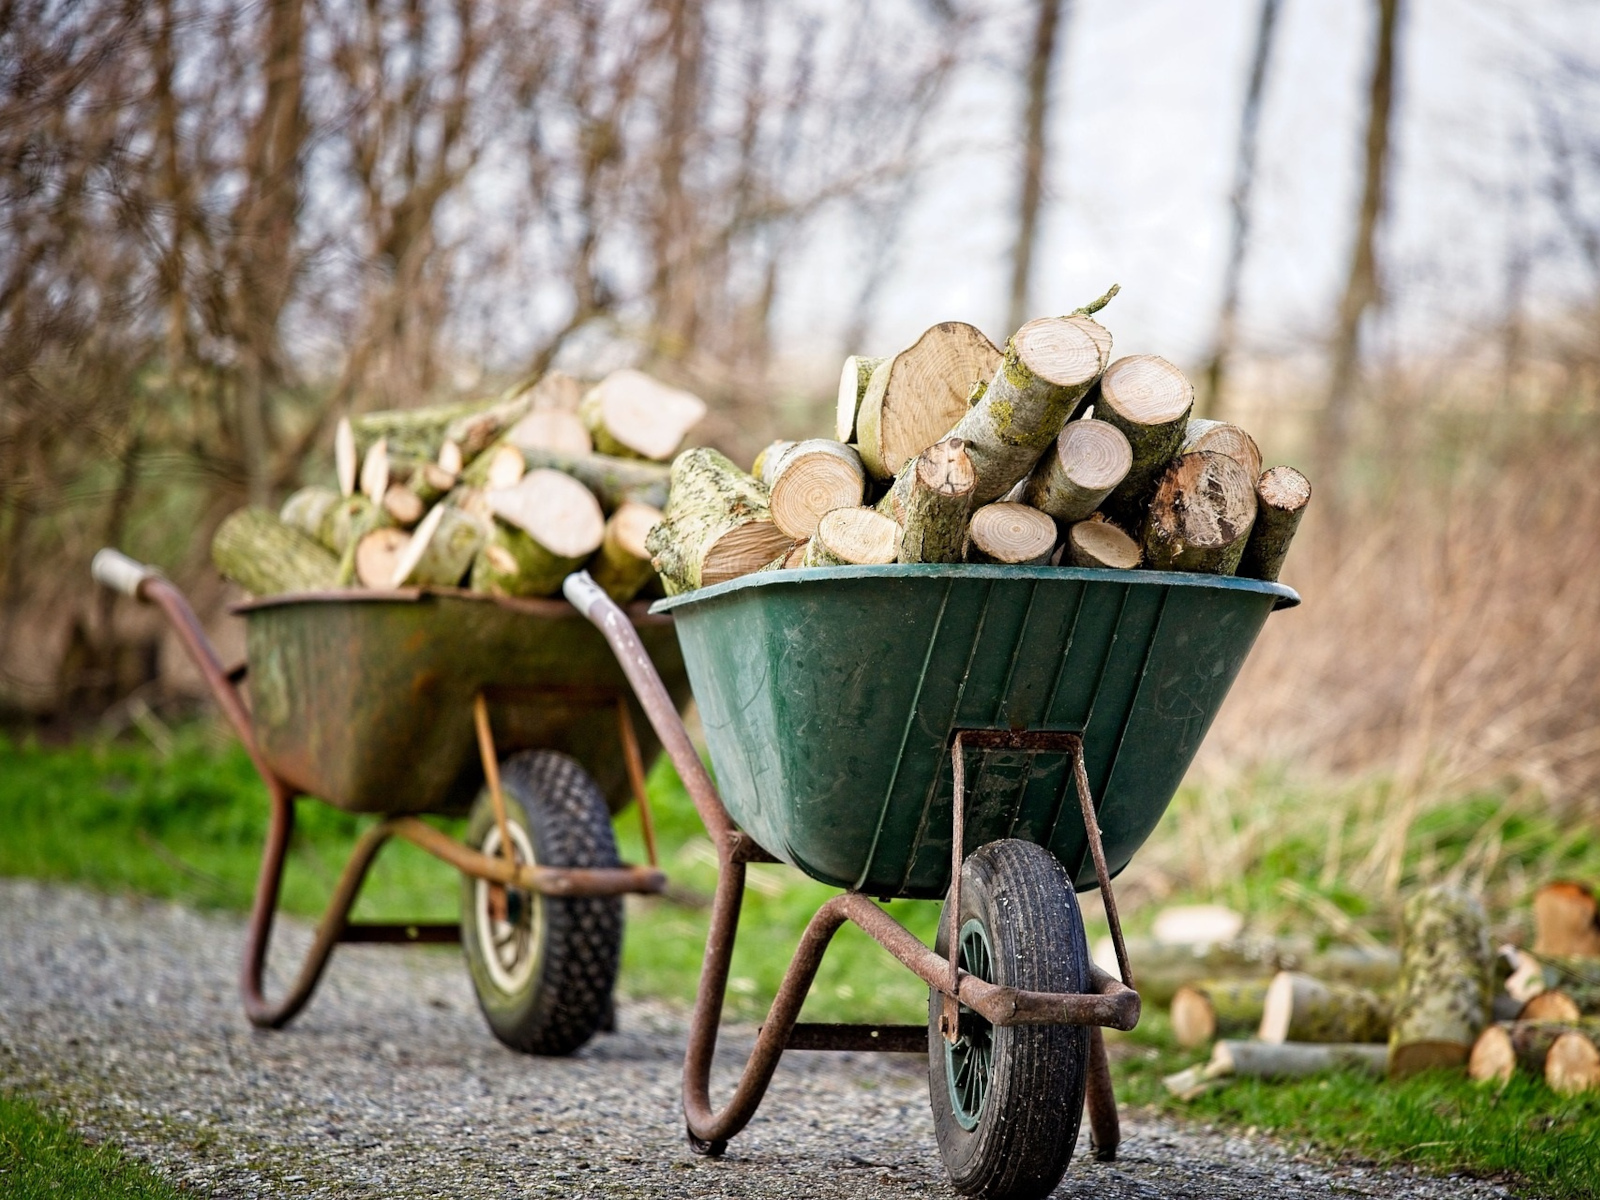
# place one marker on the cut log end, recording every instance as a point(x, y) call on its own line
point(375, 471)
point(1194, 1019)
point(1145, 389)
point(377, 555)
point(1088, 460)
point(745, 548)
point(344, 456)
point(914, 398)
point(1201, 515)
point(853, 537)
point(1011, 533)
point(853, 381)
point(1552, 1005)
point(1224, 438)
point(1064, 351)
point(810, 479)
point(1573, 1065)
point(403, 505)
point(1413, 1057)
point(1281, 497)
point(1493, 1058)
point(451, 458)
point(554, 509)
point(551, 429)
point(622, 564)
point(1101, 544)
point(1566, 920)
point(629, 413)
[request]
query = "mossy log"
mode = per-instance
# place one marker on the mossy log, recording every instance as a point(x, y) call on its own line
point(1442, 1002)
point(808, 479)
point(1203, 1011)
point(614, 481)
point(543, 529)
point(914, 398)
point(632, 415)
point(1301, 1008)
point(551, 429)
point(622, 564)
point(853, 536)
point(853, 381)
point(441, 550)
point(1225, 438)
point(939, 507)
point(1281, 497)
point(1101, 544)
point(1506, 1047)
point(376, 556)
point(308, 508)
point(1566, 921)
point(1071, 478)
point(266, 557)
point(717, 524)
point(1200, 516)
point(1149, 400)
point(1048, 366)
point(1163, 968)
point(1012, 534)
point(344, 524)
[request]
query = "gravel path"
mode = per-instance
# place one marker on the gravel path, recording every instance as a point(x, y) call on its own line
point(390, 1085)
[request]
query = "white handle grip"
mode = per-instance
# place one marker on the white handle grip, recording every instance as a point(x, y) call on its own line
point(581, 592)
point(115, 570)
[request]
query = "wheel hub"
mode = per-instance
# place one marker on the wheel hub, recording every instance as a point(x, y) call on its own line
point(969, 1060)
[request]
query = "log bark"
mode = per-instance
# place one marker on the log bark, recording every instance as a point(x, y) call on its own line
point(614, 481)
point(265, 556)
point(404, 506)
point(767, 456)
point(1506, 1047)
point(1301, 1008)
point(1013, 534)
point(1295, 1060)
point(914, 398)
point(441, 551)
point(622, 564)
point(853, 536)
point(1212, 1008)
point(631, 415)
point(376, 556)
point(345, 462)
point(1201, 515)
point(717, 524)
point(1224, 438)
point(307, 508)
point(809, 479)
point(1149, 400)
point(1071, 479)
point(551, 429)
point(1101, 544)
point(1566, 919)
point(939, 507)
point(1163, 968)
point(1048, 366)
point(347, 522)
point(1281, 497)
point(853, 381)
point(1442, 1002)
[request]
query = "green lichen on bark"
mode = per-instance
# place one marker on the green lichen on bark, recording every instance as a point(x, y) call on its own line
point(1442, 1002)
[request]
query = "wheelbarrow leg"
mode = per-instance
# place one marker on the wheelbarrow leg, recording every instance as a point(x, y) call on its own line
point(1105, 1131)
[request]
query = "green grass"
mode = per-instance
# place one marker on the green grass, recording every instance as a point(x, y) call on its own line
point(41, 1158)
point(188, 824)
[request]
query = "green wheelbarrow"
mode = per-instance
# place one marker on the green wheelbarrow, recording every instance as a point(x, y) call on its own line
point(999, 737)
point(400, 703)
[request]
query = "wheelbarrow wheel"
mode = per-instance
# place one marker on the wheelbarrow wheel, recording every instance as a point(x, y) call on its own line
point(1007, 1099)
point(543, 966)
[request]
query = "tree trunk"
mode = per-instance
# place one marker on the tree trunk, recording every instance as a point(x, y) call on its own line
point(632, 415)
point(1088, 460)
point(1149, 400)
point(1281, 497)
point(1101, 544)
point(916, 397)
point(939, 506)
point(1034, 123)
point(1201, 1012)
point(1442, 1002)
point(1011, 533)
point(266, 557)
point(1299, 1008)
point(614, 481)
point(1224, 438)
point(853, 536)
point(442, 550)
point(1048, 366)
point(717, 524)
point(809, 479)
point(853, 381)
point(622, 564)
point(1201, 515)
point(1566, 921)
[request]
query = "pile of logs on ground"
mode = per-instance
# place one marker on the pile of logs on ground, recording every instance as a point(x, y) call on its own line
point(954, 451)
point(505, 496)
point(1276, 1009)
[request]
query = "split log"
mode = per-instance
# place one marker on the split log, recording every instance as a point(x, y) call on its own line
point(1149, 400)
point(939, 506)
point(344, 456)
point(551, 429)
point(1506, 1047)
point(853, 381)
point(1566, 919)
point(375, 471)
point(1573, 1064)
point(543, 530)
point(377, 555)
point(1088, 460)
point(808, 479)
point(307, 508)
point(265, 556)
point(1301, 1008)
point(631, 415)
point(717, 524)
point(1162, 968)
point(1224, 438)
point(1442, 1002)
point(1201, 1012)
point(1048, 366)
point(441, 551)
point(1101, 544)
point(614, 481)
point(1013, 534)
point(1552, 1005)
point(499, 467)
point(404, 506)
point(853, 536)
point(1281, 497)
point(622, 564)
point(914, 398)
point(1200, 516)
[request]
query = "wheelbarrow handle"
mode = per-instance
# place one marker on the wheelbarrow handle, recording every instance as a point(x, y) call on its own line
point(115, 570)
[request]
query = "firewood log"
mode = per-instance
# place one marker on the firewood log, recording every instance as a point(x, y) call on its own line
point(543, 529)
point(1049, 364)
point(1573, 1064)
point(1442, 1002)
point(1300, 1008)
point(451, 458)
point(768, 454)
point(265, 556)
point(1149, 400)
point(1553, 1005)
point(1566, 920)
point(419, 434)
point(1203, 1011)
point(347, 522)
point(556, 391)
point(912, 399)
point(622, 564)
point(1281, 497)
point(938, 509)
point(796, 556)
point(441, 551)
point(344, 456)
point(1101, 544)
point(1508, 1046)
point(807, 479)
point(1088, 460)
point(500, 466)
point(1224, 438)
point(1200, 516)
point(614, 481)
point(631, 415)
point(1232, 1059)
point(551, 429)
point(853, 536)
point(404, 506)
point(432, 482)
point(375, 471)
point(1163, 968)
point(307, 508)
point(853, 381)
point(1010, 533)
point(1578, 979)
point(717, 524)
point(376, 555)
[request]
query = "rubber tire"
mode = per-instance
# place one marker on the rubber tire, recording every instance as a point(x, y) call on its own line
point(568, 996)
point(1028, 1124)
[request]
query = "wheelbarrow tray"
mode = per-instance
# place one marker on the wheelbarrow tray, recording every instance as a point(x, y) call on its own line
point(830, 698)
point(364, 699)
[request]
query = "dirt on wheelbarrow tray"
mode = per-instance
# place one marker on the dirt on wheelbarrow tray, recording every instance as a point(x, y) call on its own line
point(124, 1013)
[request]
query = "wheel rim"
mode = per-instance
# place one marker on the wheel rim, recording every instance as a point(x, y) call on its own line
point(969, 1060)
point(510, 944)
